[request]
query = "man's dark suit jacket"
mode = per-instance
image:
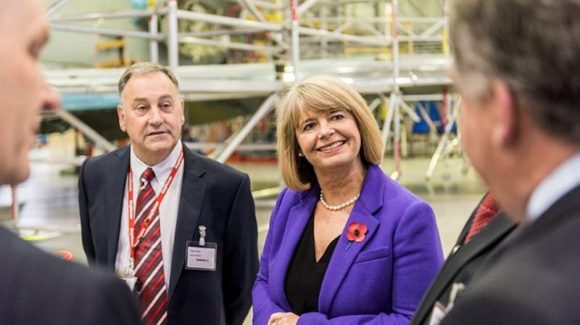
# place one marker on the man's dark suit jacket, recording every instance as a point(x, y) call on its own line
point(534, 278)
point(463, 263)
point(38, 288)
point(213, 195)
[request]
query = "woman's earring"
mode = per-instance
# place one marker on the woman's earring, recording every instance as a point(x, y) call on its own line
point(300, 154)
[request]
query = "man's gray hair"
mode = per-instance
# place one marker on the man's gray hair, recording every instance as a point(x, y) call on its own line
point(143, 68)
point(533, 46)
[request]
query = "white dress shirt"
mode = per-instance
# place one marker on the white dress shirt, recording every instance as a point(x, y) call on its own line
point(559, 182)
point(167, 210)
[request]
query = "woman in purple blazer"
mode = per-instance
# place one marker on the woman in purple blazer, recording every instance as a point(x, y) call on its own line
point(346, 244)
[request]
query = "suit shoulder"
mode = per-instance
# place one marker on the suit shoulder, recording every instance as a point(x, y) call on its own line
point(102, 161)
point(518, 293)
point(395, 192)
point(216, 168)
point(529, 276)
point(53, 289)
point(20, 253)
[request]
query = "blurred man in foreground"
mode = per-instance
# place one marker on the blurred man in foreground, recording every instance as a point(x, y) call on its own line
point(516, 66)
point(35, 287)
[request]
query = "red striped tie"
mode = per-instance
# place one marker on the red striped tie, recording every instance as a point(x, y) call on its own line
point(486, 211)
point(148, 257)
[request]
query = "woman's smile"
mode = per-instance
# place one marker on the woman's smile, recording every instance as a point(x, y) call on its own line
point(331, 147)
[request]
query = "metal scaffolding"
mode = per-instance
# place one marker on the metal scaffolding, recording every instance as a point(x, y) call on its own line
point(393, 59)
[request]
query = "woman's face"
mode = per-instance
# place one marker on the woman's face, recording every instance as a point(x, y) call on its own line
point(329, 140)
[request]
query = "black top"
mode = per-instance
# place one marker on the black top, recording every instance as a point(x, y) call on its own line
point(305, 274)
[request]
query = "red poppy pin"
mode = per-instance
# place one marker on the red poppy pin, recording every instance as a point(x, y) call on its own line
point(356, 233)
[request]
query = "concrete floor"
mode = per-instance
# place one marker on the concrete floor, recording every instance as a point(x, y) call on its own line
point(49, 208)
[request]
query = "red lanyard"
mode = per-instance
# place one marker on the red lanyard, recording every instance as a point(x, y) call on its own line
point(133, 240)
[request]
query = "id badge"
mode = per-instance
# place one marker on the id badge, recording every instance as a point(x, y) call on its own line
point(201, 258)
point(437, 314)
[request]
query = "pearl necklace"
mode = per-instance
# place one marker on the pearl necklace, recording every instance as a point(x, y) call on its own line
point(337, 207)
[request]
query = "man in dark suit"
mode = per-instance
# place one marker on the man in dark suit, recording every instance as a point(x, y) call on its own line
point(516, 67)
point(184, 234)
point(465, 260)
point(35, 287)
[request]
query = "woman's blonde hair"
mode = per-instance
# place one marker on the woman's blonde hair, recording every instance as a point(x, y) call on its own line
point(321, 94)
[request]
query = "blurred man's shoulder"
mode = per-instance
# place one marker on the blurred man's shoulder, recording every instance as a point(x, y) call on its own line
point(106, 159)
point(76, 294)
point(21, 258)
point(216, 168)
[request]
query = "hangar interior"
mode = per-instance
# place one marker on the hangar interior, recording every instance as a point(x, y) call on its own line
point(232, 58)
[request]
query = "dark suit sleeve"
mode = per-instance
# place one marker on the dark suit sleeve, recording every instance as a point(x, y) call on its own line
point(240, 255)
point(84, 214)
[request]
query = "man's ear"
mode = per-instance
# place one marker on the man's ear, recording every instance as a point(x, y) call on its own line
point(504, 106)
point(121, 115)
point(182, 102)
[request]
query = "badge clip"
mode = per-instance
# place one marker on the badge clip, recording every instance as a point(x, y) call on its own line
point(456, 289)
point(202, 235)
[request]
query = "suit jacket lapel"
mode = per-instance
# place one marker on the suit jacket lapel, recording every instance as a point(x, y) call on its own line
point(193, 189)
point(496, 230)
point(298, 218)
point(489, 236)
point(114, 200)
point(371, 200)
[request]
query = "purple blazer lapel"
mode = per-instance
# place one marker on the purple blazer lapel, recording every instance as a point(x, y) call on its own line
point(298, 218)
point(371, 200)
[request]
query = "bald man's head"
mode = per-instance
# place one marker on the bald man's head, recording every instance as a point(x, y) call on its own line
point(23, 34)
